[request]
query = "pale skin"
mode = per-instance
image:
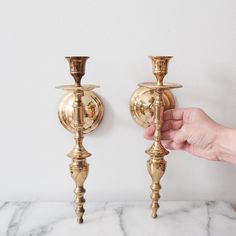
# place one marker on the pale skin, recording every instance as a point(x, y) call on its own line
point(193, 131)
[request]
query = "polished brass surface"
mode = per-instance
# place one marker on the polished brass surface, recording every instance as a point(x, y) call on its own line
point(80, 112)
point(77, 68)
point(147, 105)
point(154, 85)
point(85, 87)
point(93, 111)
point(142, 105)
point(160, 67)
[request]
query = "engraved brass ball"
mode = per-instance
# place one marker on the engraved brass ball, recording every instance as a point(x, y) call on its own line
point(141, 105)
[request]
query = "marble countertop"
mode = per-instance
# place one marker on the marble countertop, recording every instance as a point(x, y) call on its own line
point(117, 219)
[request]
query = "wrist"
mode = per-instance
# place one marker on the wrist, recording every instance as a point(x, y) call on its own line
point(225, 144)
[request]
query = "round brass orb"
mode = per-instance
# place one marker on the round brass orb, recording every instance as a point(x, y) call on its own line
point(93, 111)
point(141, 104)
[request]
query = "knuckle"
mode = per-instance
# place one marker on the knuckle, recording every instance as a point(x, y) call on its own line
point(197, 110)
point(184, 129)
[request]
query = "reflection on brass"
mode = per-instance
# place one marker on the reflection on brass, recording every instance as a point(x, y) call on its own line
point(77, 68)
point(147, 105)
point(142, 105)
point(80, 112)
point(93, 111)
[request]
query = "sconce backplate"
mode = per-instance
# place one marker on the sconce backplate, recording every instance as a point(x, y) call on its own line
point(93, 111)
point(141, 104)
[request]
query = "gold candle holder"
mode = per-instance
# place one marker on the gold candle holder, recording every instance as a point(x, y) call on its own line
point(147, 105)
point(80, 112)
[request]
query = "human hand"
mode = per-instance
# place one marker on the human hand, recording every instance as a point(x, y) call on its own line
point(191, 130)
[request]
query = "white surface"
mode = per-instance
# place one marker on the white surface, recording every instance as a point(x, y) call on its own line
point(117, 219)
point(118, 35)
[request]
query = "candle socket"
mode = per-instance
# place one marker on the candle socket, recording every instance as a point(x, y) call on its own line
point(80, 112)
point(77, 68)
point(147, 107)
point(160, 67)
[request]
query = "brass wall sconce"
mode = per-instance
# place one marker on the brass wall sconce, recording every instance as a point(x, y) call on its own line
point(147, 104)
point(80, 112)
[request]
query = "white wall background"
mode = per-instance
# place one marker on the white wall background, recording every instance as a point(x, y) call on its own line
point(118, 36)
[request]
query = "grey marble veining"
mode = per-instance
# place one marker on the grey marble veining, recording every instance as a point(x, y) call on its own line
point(117, 219)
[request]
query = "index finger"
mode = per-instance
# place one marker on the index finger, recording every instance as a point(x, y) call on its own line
point(174, 114)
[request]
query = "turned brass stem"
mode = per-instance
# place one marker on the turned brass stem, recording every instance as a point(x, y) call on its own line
point(156, 164)
point(80, 111)
point(79, 167)
point(148, 103)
